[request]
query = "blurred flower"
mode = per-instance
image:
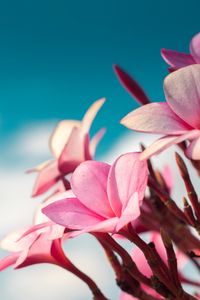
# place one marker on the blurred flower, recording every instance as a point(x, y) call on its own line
point(33, 245)
point(70, 145)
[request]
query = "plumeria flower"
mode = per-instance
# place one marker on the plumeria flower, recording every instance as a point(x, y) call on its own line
point(178, 60)
point(178, 119)
point(106, 198)
point(70, 145)
point(33, 244)
point(37, 248)
point(32, 249)
point(144, 268)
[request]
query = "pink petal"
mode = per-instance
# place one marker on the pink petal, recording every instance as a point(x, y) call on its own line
point(91, 114)
point(182, 259)
point(131, 85)
point(125, 296)
point(57, 232)
point(73, 153)
point(13, 242)
point(88, 183)
point(39, 252)
point(182, 91)
point(46, 178)
point(8, 261)
point(108, 226)
point(39, 167)
point(195, 47)
point(168, 177)
point(134, 174)
point(193, 150)
point(141, 262)
point(177, 59)
point(35, 230)
point(161, 144)
point(71, 213)
point(39, 217)
point(95, 141)
point(157, 240)
point(155, 118)
point(61, 135)
point(88, 155)
point(130, 213)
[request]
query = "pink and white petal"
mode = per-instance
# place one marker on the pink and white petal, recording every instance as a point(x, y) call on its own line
point(95, 141)
point(195, 47)
point(35, 230)
point(46, 178)
point(39, 252)
point(87, 147)
point(71, 213)
point(134, 173)
point(61, 135)
point(89, 183)
point(161, 144)
point(177, 59)
point(8, 261)
point(13, 243)
point(39, 167)
point(39, 217)
point(90, 115)
point(193, 150)
point(131, 85)
point(108, 226)
point(155, 118)
point(57, 232)
point(73, 153)
point(182, 91)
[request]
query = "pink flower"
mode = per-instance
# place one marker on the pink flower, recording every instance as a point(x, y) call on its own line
point(178, 119)
point(179, 60)
point(70, 145)
point(106, 197)
point(34, 244)
point(32, 249)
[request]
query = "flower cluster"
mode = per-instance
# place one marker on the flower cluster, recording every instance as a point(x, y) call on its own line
point(127, 198)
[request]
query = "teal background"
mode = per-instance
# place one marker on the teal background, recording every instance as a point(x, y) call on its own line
point(56, 56)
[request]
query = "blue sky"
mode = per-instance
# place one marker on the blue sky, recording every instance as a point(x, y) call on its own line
point(56, 57)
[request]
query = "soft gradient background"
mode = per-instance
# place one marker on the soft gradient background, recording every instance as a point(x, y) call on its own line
point(55, 59)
